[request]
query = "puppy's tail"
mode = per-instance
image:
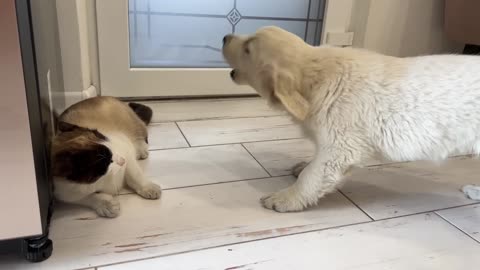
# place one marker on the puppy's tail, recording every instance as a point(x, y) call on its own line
point(143, 112)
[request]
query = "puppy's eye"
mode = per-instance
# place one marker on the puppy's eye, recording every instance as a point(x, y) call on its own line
point(247, 50)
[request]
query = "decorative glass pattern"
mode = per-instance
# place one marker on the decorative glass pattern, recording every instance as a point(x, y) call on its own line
point(188, 33)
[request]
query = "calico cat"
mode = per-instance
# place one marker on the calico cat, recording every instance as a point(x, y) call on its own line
point(95, 153)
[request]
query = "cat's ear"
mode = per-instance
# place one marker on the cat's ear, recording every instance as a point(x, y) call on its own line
point(66, 127)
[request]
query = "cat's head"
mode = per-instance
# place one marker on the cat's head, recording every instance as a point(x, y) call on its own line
point(82, 155)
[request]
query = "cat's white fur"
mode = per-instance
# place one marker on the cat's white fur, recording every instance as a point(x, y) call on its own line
point(124, 171)
point(358, 105)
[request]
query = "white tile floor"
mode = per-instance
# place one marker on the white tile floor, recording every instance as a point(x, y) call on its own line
point(215, 159)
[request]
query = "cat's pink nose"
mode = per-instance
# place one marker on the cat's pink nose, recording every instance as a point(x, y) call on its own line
point(120, 161)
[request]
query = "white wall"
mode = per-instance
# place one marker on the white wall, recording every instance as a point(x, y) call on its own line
point(78, 44)
point(47, 47)
point(401, 27)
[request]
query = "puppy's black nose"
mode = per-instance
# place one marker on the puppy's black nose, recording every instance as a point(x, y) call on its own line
point(226, 39)
point(232, 74)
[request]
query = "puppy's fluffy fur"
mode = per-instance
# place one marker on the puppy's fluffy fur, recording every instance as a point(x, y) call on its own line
point(358, 105)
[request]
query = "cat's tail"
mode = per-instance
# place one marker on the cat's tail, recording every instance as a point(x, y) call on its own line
point(145, 113)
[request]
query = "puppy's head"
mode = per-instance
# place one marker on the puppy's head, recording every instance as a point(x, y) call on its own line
point(269, 61)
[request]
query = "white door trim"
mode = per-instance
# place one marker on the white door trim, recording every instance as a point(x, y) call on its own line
point(119, 79)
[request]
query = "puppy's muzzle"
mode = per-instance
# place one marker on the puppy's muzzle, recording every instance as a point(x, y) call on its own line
point(232, 74)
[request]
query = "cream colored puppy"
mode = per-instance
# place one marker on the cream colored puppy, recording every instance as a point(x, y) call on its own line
point(358, 105)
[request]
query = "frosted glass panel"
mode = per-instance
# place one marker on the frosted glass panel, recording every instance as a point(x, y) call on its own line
point(188, 33)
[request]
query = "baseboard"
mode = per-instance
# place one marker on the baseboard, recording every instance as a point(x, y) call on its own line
point(89, 92)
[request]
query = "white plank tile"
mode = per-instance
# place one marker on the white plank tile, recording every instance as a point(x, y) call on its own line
point(184, 219)
point(165, 136)
point(406, 188)
point(183, 167)
point(422, 242)
point(278, 157)
point(172, 111)
point(208, 132)
point(466, 218)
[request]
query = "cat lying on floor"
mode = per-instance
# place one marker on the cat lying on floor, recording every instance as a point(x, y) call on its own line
point(95, 154)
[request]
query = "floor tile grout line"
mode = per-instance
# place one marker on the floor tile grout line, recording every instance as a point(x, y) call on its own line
point(221, 144)
point(184, 137)
point(261, 165)
point(456, 227)
point(215, 183)
point(428, 211)
point(218, 119)
point(356, 205)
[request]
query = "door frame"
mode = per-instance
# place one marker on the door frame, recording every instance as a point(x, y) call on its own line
point(117, 78)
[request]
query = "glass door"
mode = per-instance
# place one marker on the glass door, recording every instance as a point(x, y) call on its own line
point(168, 48)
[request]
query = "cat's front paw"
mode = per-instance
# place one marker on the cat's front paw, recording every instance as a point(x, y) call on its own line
point(108, 208)
point(143, 154)
point(150, 191)
point(142, 150)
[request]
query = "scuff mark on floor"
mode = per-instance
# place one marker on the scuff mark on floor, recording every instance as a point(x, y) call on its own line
point(135, 249)
point(245, 265)
point(255, 234)
point(130, 245)
point(86, 218)
point(152, 235)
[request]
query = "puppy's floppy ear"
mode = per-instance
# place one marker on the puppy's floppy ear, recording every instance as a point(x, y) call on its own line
point(283, 87)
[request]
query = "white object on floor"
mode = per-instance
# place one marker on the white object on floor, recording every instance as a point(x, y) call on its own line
point(399, 189)
point(472, 192)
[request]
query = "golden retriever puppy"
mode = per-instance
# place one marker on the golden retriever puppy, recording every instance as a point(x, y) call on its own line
point(358, 105)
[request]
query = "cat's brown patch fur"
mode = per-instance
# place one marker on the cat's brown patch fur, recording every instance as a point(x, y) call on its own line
point(79, 155)
point(81, 132)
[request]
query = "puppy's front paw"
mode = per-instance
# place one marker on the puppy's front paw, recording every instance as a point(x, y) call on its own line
point(108, 208)
point(151, 191)
point(298, 168)
point(286, 200)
